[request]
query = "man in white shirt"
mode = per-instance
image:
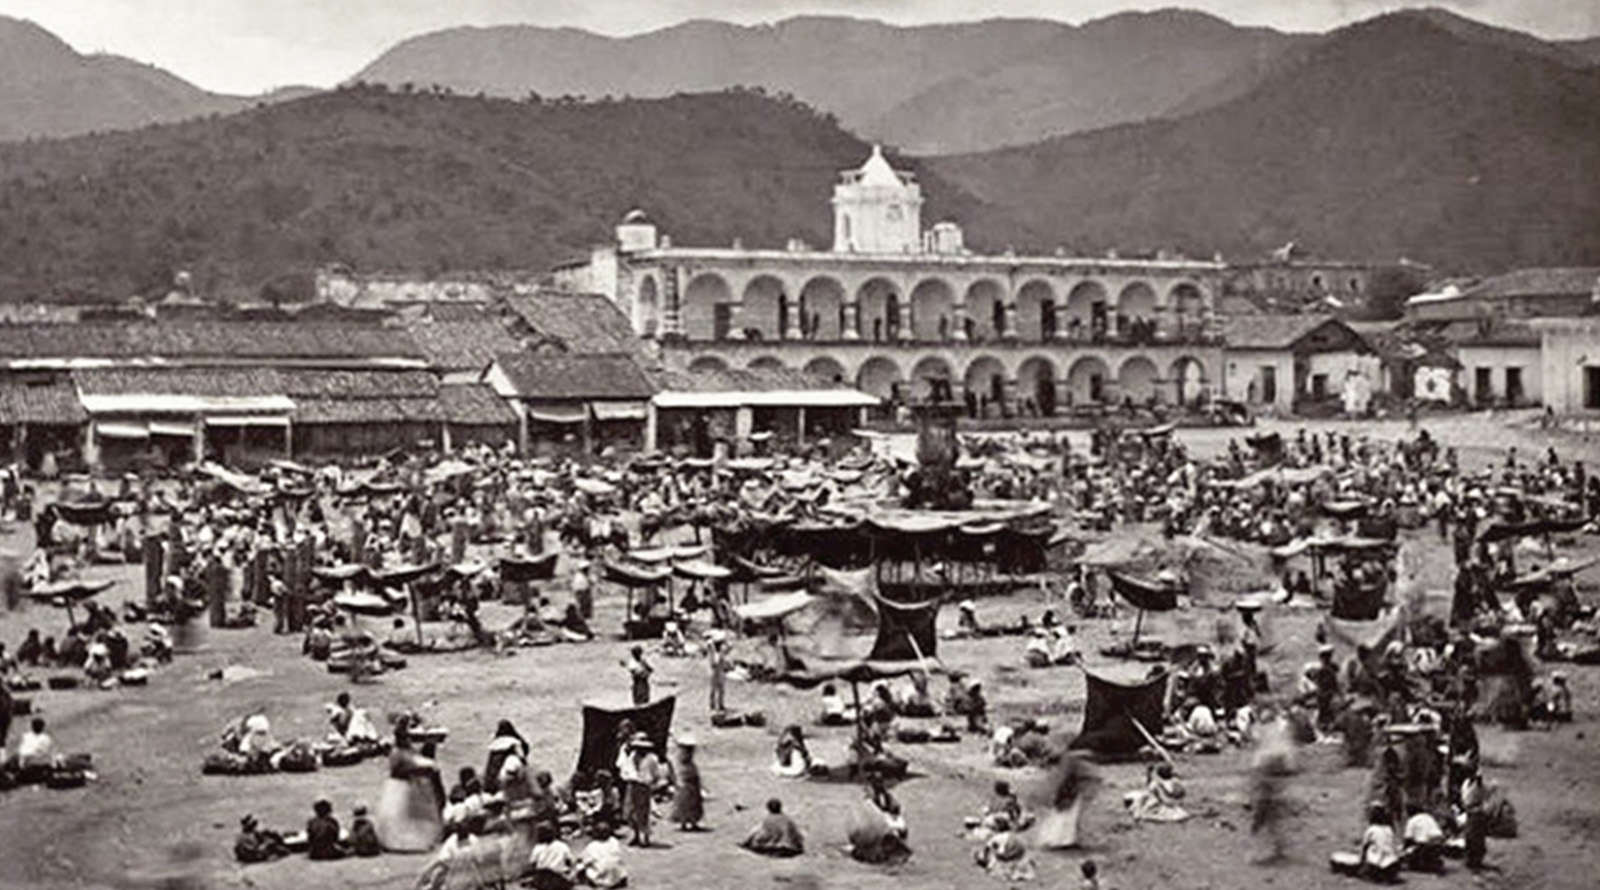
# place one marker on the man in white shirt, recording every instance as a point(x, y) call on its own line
point(37, 750)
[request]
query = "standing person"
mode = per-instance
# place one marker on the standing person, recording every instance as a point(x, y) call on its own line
point(1070, 789)
point(1270, 769)
point(583, 588)
point(508, 756)
point(718, 657)
point(639, 672)
point(688, 800)
point(1476, 830)
point(638, 795)
point(411, 810)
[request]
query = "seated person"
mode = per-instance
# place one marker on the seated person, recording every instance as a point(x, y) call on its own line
point(967, 620)
point(977, 708)
point(323, 839)
point(550, 864)
point(834, 710)
point(776, 835)
point(1158, 802)
point(920, 702)
point(466, 801)
point(1424, 843)
point(573, 625)
point(1003, 854)
point(600, 863)
point(792, 757)
point(1380, 850)
point(36, 752)
point(673, 643)
point(255, 844)
point(364, 834)
point(1003, 807)
point(1036, 654)
point(597, 801)
point(1558, 709)
point(1003, 749)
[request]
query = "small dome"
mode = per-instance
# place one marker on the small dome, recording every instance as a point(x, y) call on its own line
point(636, 217)
point(876, 171)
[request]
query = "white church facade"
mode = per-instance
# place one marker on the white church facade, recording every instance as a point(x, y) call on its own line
point(893, 304)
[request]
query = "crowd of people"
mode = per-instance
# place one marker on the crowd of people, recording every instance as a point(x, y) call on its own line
point(296, 543)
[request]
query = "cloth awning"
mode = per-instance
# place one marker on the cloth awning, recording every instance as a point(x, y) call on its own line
point(618, 410)
point(248, 420)
point(121, 430)
point(799, 398)
point(559, 413)
point(171, 428)
point(774, 606)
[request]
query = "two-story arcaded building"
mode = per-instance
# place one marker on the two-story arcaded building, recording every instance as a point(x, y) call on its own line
point(893, 305)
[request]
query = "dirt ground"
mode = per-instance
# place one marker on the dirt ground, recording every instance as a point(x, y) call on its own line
point(153, 821)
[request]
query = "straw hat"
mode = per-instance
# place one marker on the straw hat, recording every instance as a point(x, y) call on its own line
point(687, 740)
point(640, 740)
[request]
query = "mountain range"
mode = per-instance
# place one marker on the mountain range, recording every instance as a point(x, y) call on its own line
point(1416, 134)
point(48, 89)
point(1412, 134)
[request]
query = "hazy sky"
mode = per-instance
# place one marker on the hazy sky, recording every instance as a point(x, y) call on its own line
point(246, 46)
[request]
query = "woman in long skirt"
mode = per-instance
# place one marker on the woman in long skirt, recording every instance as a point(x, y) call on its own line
point(688, 802)
point(411, 810)
point(1071, 788)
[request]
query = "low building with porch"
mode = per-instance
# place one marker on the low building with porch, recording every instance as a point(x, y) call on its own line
point(40, 414)
point(698, 408)
point(1289, 362)
point(1570, 358)
point(573, 403)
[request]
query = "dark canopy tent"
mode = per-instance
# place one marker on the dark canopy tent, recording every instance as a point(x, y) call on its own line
point(1109, 712)
point(1146, 596)
point(600, 727)
point(1502, 531)
point(538, 568)
point(906, 632)
point(87, 512)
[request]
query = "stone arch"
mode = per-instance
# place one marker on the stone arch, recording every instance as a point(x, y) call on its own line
point(1137, 300)
point(1087, 304)
point(1036, 311)
point(1188, 376)
point(1138, 379)
point(822, 309)
point(878, 310)
point(826, 367)
point(762, 317)
point(933, 310)
point(1037, 380)
point(708, 363)
point(982, 299)
point(703, 301)
point(1088, 381)
point(986, 381)
point(1188, 304)
point(767, 363)
point(647, 308)
point(929, 367)
point(879, 376)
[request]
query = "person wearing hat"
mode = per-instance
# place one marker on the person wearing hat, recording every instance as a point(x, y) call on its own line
point(688, 803)
point(646, 776)
point(1325, 680)
point(255, 844)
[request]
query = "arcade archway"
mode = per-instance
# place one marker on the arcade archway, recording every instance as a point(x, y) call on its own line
point(1137, 380)
point(1036, 386)
point(933, 305)
point(705, 311)
point(822, 310)
point(1087, 381)
point(762, 315)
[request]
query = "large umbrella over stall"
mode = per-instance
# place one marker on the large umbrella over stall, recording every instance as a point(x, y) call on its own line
point(72, 590)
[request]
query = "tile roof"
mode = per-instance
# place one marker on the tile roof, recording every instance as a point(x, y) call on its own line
point(41, 403)
point(1489, 332)
point(1270, 331)
point(744, 380)
point(179, 381)
point(211, 340)
point(575, 377)
point(381, 410)
point(330, 384)
point(474, 404)
point(576, 323)
point(1572, 281)
point(461, 345)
